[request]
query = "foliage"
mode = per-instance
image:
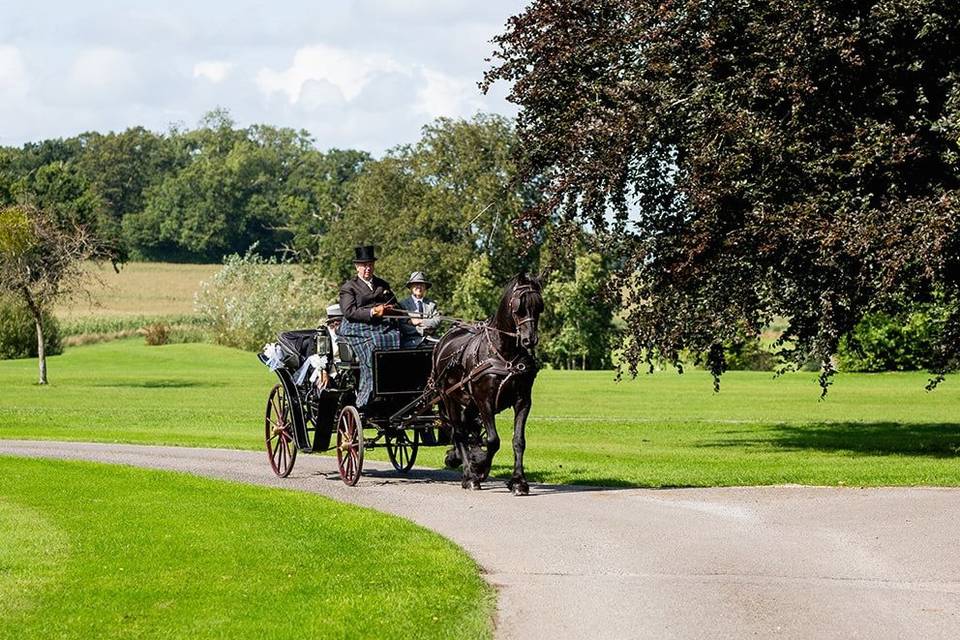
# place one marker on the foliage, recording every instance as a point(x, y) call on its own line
point(746, 160)
point(436, 205)
point(156, 334)
point(186, 194)
point(252, 299)
point(18, 333)
point(110, 324)
point(576, 327)
point(748, 355)
point(477, 294)
point(315, 195)
point(884, 342)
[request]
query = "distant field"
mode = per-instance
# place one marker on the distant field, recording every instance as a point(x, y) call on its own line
point(141, 289)
point(103, 551)
point(659, 430)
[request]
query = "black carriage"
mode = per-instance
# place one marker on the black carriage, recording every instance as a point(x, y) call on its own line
point(306, 417)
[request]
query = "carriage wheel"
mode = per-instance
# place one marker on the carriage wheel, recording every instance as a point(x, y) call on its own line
point(281, 449)
point(402, 449)
point(349, 445)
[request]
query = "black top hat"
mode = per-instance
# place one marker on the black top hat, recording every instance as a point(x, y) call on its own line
point(364, 254)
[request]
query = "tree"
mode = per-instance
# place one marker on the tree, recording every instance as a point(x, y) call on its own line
point(315, 195)
point(578, 319)
point(40, 261)
point(120, 168)
point(476, 295)
point(220, 189)
point(750, 159)
point(436, 205)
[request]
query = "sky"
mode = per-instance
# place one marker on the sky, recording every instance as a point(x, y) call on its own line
point(364, 74)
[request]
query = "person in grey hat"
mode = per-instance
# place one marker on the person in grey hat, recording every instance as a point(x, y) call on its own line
point(425, 319)
point(328, 348)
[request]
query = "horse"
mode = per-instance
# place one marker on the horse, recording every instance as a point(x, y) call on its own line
point(481, 369)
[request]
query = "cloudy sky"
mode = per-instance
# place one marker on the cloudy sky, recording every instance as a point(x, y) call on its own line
point(355, 73)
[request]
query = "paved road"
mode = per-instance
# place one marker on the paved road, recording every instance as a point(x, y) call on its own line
point(783, 562)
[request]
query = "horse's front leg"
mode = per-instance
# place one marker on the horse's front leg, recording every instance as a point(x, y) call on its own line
point(521, 408)
point(489, 420)
point(471, 476)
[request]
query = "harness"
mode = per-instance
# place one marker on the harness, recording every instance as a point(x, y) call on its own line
point(495, 364)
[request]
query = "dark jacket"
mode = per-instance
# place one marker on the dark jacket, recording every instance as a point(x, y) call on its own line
point(356, 299)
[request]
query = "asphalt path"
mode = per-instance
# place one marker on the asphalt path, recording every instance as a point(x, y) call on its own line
point(578, 562)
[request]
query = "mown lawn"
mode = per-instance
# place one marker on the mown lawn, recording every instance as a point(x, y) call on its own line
point(100, 551)
point(658, 430)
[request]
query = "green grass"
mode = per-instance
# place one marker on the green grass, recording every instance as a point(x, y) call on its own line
point(659, 430)
point(99, 551)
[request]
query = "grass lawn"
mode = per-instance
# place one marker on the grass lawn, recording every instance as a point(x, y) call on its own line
point(659, 430)
point(100, 551)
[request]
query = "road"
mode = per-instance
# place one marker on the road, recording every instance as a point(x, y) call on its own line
point(577, 562)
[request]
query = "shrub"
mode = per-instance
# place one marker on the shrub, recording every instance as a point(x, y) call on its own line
point(883, 342)
point(18, 334)
point(749, 355)
point(156, 334)
point(252, 299)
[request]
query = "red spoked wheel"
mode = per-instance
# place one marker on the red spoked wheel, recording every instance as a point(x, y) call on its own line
point(281, 449)
point(349, 445)
point(402, 449)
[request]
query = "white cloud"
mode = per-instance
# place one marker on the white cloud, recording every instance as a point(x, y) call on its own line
point(212, 70)
point(13, 73)
point(444, 95)
point(102, 68)
point(347, 71)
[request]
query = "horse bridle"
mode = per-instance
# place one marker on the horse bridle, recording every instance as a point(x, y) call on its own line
point(518, 292)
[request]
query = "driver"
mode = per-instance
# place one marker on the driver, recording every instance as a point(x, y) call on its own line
point(365, 300)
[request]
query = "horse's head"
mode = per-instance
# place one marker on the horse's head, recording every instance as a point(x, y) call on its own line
point(524, 302)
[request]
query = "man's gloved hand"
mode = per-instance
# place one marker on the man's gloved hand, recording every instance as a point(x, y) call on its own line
point(380, 309)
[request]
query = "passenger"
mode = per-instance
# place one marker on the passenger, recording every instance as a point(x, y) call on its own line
point(422, 326)
point(328, 348)
point(365, 301)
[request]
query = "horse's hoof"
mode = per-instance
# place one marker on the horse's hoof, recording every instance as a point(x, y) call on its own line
point(471, 485)
point(519, 487)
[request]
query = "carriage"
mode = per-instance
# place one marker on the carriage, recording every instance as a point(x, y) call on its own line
point(302, 417)
point(420, 398)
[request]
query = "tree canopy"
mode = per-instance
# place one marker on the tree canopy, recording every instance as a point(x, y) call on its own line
point(745, 160)
point(436, 205)
point(186, 195)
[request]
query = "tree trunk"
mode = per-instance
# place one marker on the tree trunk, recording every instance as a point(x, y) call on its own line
point(41, 353)
point(38, 321)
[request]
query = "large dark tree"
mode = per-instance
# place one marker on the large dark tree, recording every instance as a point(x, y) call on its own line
point(749, 159)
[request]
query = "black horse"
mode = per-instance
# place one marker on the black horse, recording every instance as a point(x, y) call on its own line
point(481, 369)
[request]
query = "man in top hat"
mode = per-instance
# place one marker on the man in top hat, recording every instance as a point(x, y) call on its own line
point(424, 318)
point(366, 301)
